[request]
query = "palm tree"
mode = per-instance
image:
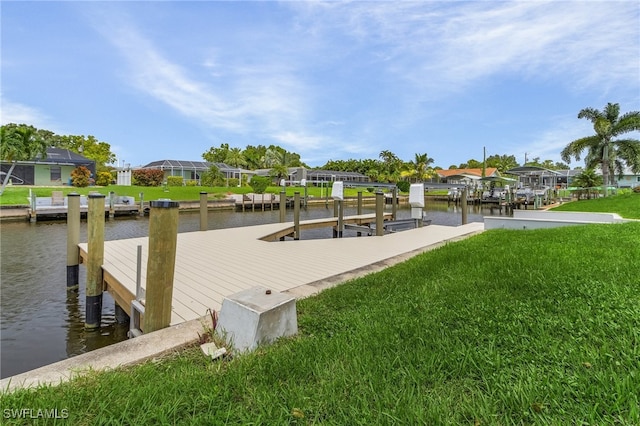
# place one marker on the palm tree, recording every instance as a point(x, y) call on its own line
point(20, 143)
point(602, 149)
point(419, 168)
point(588, 179)
point(391, 166)
point(278, 160)
point(235, 158)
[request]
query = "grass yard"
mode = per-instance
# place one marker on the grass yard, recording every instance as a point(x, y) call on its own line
point(507, 327)
point(626, 205)
point(20, 195)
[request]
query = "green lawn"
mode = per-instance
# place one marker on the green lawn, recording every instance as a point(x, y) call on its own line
point(626, 205)
point(507, 327)
point(20, 195)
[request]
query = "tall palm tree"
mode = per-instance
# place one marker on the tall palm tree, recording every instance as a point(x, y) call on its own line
point(602, 149)
point(391, 165)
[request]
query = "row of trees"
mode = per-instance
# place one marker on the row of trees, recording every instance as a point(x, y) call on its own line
point(255, 157)
point(21, 142)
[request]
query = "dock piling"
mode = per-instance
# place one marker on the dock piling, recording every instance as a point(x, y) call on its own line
point(203, 211)
point(340, 218)
point(95, 258)
point(283, 206)
point(394, 202)
point(73, 239)
point(112, 212)
point(359, 209)
point(296, 215)
point(33, 214)
point(464, 206)
point(379, 214)
point(141, 210)
point(163, 238)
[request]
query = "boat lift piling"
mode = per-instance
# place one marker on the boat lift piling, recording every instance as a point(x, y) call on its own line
point(163, 237)
point(203, 211)
point(73, 239)
point(95, 259)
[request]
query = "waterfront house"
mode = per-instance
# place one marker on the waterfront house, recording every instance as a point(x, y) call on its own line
point(53, 170)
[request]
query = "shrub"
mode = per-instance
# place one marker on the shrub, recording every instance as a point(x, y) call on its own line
point(233, 182)
point(259, 184)
point(104, 179)
point(192, 182)
point(147, 177)
point(637, 189)
point(403, 186)
point(80, 177)
point(175, 181)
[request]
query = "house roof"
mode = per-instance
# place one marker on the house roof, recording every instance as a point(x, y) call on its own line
point(62, 156)
point(189, 165)
point(531, 170)
point(489, 171)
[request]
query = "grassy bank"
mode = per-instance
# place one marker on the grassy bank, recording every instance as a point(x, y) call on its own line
point(20, 195)
point(508, 327)
point(626, 205)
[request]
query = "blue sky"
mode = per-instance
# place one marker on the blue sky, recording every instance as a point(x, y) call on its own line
point(328, 80)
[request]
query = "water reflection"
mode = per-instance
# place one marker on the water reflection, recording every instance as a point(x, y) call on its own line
point(42, 323)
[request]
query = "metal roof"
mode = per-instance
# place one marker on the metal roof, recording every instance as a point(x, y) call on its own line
point(531, 170)
point(61, 156)
point(188, 165)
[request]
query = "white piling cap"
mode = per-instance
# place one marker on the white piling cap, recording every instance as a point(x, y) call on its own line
point(416, 195)
point(337, 190)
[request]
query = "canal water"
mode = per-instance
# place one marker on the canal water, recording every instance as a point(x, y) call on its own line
point(42, 323)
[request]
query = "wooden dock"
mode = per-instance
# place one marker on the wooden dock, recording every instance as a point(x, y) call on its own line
point(211, 265)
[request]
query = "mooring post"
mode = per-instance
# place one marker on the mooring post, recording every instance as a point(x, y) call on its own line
point(379, 214)
point(394, 203)
point(296, 215)
point(306, 196)
point(335, 214)
point(203, 211)
point(163, 239)
point(73, 239)
point(111, 204)
point(283, 205)
point(340, 218)
point(359, 209)
point(95, 258)
point(463, 205)
point(34, 214)
point(141, 210)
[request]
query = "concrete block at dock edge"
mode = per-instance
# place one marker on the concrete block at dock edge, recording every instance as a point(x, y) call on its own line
point(256, 316)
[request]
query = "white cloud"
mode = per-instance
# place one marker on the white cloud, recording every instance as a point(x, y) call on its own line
point(13, 112)
point(265, 98)
point(441, 47)
point(549, 143)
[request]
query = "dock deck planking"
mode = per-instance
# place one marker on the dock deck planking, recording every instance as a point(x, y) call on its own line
point(211, 265)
